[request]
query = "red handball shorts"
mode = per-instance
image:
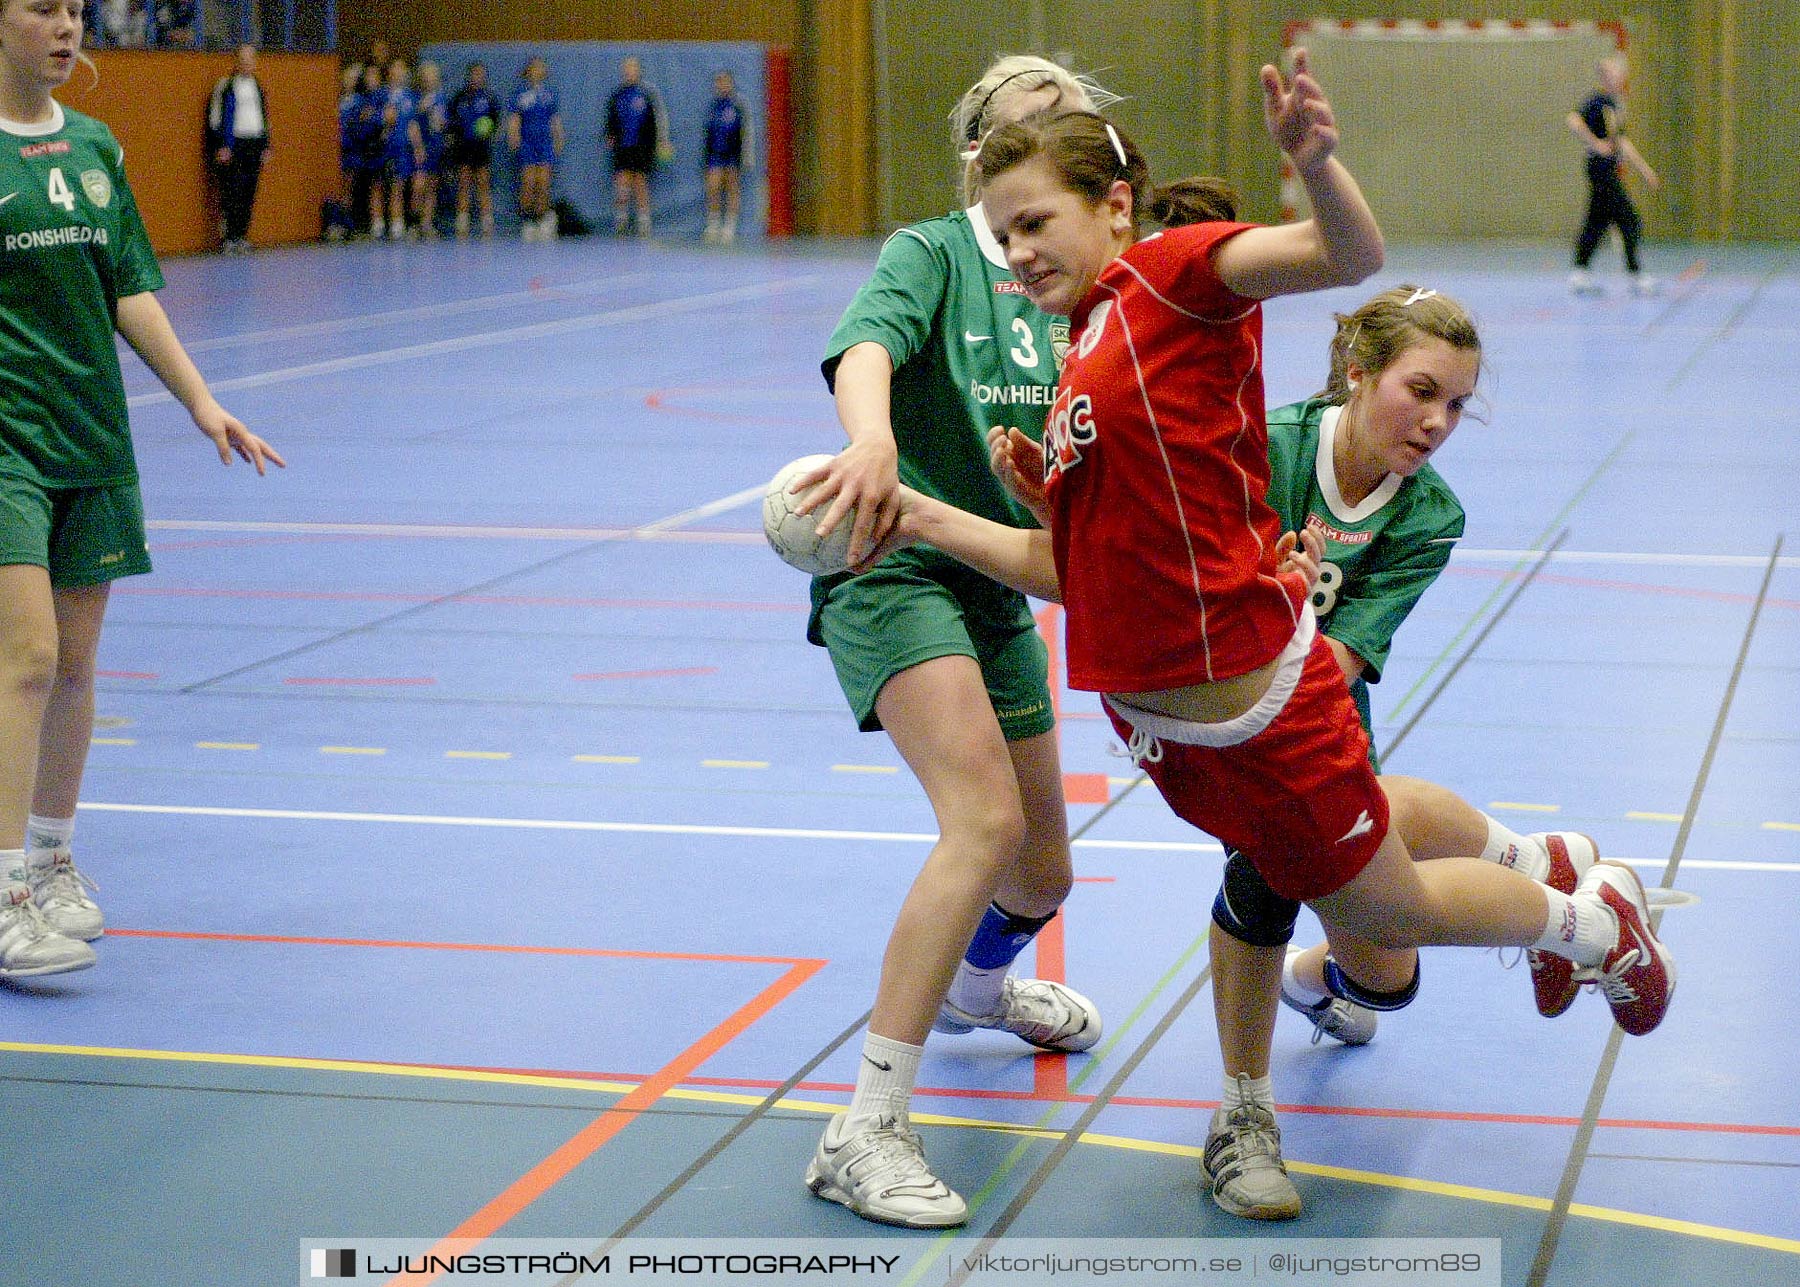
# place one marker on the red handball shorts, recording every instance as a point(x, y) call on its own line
point(1288, 784)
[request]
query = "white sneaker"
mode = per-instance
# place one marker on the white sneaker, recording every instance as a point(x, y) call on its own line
point(727, 233)
point(1644, 284)
point(547, 228)
point(528, 230)
point(1048, 1015)
point(28, 946)
point(880, 1173)
point(1581, 282)
point(1352, 1024)
point(59, 888)
point(1242, 1164)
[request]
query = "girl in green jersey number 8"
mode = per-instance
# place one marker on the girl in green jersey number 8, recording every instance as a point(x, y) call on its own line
point(937, 348)
point(75, 264)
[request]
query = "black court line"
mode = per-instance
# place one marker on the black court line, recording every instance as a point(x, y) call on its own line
point(1065, 1145)
point(1487, 629)
point(770, 1100)
point(1724, 328)
point(350, 632)
point(1578, 1151)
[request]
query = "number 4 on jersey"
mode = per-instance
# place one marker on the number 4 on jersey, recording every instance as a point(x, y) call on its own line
point(60, 195)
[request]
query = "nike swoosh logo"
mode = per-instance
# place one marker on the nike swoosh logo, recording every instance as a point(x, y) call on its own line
point(973, 338)
point(8, 197)
point(879, 1064)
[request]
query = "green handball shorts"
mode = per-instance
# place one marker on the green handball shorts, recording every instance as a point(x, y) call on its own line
point(920, 604)
point(81, 535)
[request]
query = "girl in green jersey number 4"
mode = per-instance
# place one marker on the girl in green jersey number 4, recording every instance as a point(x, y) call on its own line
point(75, 264)
point(937, 348)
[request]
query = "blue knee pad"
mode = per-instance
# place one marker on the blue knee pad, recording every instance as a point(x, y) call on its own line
point(1343, 986)
point(1248, 910)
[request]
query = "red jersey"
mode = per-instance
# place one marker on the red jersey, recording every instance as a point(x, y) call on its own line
point(1157, 463)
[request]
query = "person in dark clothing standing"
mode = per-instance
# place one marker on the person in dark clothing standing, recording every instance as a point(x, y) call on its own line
point(637, 135)
point(1600, 125)
point(237, 125)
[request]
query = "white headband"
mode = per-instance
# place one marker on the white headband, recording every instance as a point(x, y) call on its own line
point(1118, 146)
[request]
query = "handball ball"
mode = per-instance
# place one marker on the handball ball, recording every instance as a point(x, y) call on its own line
point(484, 126)
point(791, 535)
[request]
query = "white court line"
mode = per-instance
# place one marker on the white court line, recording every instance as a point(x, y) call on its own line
point(1623, 556)
point(445, 531)
point(490, 339)
point(444, 308)
point(776, 833)
point(735, 538)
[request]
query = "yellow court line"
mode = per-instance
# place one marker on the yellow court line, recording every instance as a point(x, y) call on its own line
point(605, 759)
point(1520, 807)
point(113, 741)
point(734, 764)
point(229, 746)
point(1637, 815)
point(1436, 1188)
point(478, 755)
point(353, 750)
point(864, 768)
point(1781, 826)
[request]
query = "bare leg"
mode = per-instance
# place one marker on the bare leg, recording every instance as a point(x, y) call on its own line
point(27, 675)
point(68, 726)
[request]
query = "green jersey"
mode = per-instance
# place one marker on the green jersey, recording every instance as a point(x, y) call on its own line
point(1380, 555)
point(71, 245)
point(970, 352)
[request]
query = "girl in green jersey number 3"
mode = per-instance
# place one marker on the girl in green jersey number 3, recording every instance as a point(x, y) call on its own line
point(937, 348)
point(75, 264)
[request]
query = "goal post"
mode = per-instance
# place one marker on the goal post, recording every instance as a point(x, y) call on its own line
point(1456, 129)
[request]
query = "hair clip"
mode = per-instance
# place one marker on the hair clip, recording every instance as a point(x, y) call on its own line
point(1417, 295)
point(1119, 149)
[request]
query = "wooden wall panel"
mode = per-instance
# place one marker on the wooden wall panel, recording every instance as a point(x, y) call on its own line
point(156, 104)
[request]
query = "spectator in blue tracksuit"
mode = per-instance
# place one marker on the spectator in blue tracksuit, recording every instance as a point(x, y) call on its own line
point(534, 129)
point(729, 138)
point(402, 148)
point(359, 142)
point(434, 128)
point(637, 135)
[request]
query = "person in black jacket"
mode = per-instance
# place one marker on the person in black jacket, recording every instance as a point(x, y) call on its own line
point(237, 127)
point(1600, 125)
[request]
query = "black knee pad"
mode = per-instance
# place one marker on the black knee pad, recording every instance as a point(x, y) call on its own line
point(1248, 910)
point(1343, 986)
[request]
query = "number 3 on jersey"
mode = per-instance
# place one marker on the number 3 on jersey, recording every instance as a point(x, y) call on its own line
point(1025, 351)
point(60, 195)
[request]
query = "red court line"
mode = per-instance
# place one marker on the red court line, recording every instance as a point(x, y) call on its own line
point(545, 1175)
point(615, 953)
point(1628, 587)
point(650, 674)
point(502, 600)
point(126, 674)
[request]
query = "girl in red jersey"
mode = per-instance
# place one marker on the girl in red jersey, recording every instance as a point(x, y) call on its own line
point(1181, 609)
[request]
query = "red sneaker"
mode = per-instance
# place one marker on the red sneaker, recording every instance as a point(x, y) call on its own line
point(1553, 977)
point(1638, 975)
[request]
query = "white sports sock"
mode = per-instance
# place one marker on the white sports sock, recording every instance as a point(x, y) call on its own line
point(884, 1081)
point(975, 990)
point(1241, 1089)
point(1509, 849)
point(48, 833)
point(12, 867)
point(1579, 927)
point(1291, 984)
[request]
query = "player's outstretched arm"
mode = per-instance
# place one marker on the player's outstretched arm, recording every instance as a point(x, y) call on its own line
point(1016, 557)
point(1341, 244)
point(146, 328)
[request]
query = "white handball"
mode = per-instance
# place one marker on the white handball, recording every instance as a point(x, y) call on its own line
point(792, 535)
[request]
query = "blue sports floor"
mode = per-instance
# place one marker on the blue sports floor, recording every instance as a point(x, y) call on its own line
point(485, 851)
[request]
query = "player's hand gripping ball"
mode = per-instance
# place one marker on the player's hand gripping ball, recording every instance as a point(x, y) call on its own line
point(792, 536)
